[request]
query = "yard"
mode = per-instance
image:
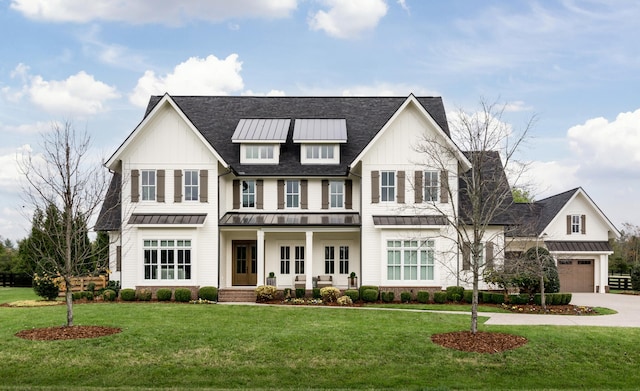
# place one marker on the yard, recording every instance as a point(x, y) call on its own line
point(186, 346)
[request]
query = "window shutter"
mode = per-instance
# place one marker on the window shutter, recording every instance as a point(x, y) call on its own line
point(348, 194)
point(325, 194)
point(177, 186)
point(280, 193)
point(204, 185)
point(135, 185)
point(375, 187)
point(568, 224)
point(417, 184)
point(303, 194)
point(583, 224)
point(118, 258)
point(160, 194)
point(236, 194)
point(444, 186)
point(466, 256)
point(259, 196)
point(400, 187)
point(488, 247)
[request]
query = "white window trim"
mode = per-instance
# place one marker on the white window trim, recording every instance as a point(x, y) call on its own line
point(287, 194)
point(304, 159)
point(331, 193)
point(260, 160)
point(292, 257)
point(420, 249)
point(160, 281)
point(196, 186)
point(576, 221)
point(425, 187)
point(255, 195)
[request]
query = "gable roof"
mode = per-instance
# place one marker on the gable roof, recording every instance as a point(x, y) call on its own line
point(216, 118)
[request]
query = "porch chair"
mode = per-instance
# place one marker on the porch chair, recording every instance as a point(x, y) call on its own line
point(325, 280)
point(300, 281)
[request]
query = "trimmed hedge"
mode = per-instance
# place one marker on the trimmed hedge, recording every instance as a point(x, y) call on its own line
point(365, 287)
point(405, 297)
point(109, 295)
point(387, 297)
point(208, 293)
point(422, 297)
point(497, 298)
point(164, 294)
point(300, 292)
point(370, 295)
point(467, 297)
point(354, 294)
point(143, 294)
point(455, 293)
point(128, 294)
point(440, 297)
point(484, 297)
point(182, 295)
point(316, 293)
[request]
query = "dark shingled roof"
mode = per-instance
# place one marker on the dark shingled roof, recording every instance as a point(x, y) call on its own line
point(233, 219)
point(409, 220)
point(216, 117)
point(109, 217)
point(578, 246)
point(534, 217)
point(495, 192)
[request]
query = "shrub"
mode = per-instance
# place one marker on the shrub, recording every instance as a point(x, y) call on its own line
point(537, 299)
point(365, 287)
point(354, 294)
point(635, 277)
point(497, 298)
point(405, 297)
point(128, 294)
point(344, 300)
point(455, 293)
point(566, 298)
point(109, 295)
point(208, 293)
point(286, 292)
point(143, 294)
point(519, 299)
point(114, 286)
point(316, 293)
point(369, 295)
point(440, 297)
point(387, 297)
point(329, 294)
point(164, 294)
point(422, 297)
point(300, 292)
point(91, 287)
point(45, 287)
point(88, 295)
point(183, 295)
point(484, 297)
point(467, 296)
point(265, 293)
point(77, 295)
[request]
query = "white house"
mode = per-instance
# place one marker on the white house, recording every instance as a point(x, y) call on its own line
point(221, 191)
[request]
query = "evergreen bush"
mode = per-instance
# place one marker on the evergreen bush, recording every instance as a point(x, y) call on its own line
point(143, 294)
point(354, 294)
point(422, 297)
point(455, 293)
point(387, 297)
point(635, 277)
point(128, 294)
point(300, 292)
point(45, 287)
point(316, 293)
point(109, 295)
point(497, 298)
point(182, 295)
point(405, 297)
point(370, 295)
point(440, 297)
point(164, 294)
point(365, 287)
point(208, 293)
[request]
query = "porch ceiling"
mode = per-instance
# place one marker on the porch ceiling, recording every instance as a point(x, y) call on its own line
point(232, 219)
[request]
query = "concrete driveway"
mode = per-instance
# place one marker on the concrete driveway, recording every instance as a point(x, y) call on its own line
point(628, 307)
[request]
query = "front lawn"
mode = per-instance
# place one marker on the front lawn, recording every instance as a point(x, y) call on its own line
point(187, 346)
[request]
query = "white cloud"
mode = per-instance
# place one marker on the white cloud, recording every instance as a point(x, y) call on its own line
point(604, 146)
point(10, 172)
point(516, 106)
point(196, 76)
point(79, 94)
point(348, 18)
point(14, 223)
point(33, 128)
point(168, 12)
point(270, 93)
point(548, 178)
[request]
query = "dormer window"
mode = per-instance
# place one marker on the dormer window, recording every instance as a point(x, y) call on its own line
point(260, 139)
point(320, 139)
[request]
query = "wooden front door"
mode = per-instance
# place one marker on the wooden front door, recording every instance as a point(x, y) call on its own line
point(245, 264)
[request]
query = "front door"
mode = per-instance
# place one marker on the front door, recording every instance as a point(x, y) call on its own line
point(245, 264)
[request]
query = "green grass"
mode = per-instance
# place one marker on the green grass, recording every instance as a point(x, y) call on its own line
point(185, 346)
point(441, 307)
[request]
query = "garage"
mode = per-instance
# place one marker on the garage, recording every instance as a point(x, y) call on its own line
point(576, 275)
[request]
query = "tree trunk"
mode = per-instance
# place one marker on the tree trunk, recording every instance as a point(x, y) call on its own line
point(69, 299)
point(543, 302)
point(474, 305)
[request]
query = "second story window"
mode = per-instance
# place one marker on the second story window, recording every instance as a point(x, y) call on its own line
point(576, 226)
point(191, 187)
point(388, 186)
point(249, 194)
point(322, 151)
point(336, 194)
point(259, 152)
point(431, 185)
point(292, 193)
point(148, 185)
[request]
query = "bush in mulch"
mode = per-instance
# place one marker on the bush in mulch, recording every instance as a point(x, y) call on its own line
point(481, 342)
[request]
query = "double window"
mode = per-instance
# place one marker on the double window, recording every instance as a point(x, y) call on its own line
point(411, 260)
point(258, 152)
point(431, 186)
point(148, 185)
point(330, 254)
point(286, 252)
point(388, 186)
point(323, 151)
point(167, 259)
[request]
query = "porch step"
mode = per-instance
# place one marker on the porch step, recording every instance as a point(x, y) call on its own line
point(237, 295)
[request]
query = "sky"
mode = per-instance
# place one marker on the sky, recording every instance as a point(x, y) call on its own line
point(573, 66)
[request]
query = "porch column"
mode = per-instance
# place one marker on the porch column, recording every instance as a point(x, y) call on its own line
point(604, 272)
point(260, 257)
point(308, 267)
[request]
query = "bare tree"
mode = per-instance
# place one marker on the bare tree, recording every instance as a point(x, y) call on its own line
point(64, 180)
point(483, 198)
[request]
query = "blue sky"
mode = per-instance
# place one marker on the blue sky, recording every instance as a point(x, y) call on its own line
point(575, 65)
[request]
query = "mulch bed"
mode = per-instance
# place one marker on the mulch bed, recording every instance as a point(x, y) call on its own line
point(67, 332)
point(481, 342)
